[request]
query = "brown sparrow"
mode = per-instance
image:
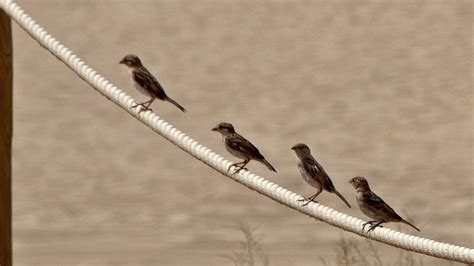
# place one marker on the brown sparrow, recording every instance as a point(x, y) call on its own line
point(373, 206)
point(314, 174)
point(240, 147)
point(145, 83)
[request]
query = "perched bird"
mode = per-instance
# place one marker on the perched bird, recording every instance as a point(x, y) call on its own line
point(373, 206)
point(240, 147)
point(145, 83)
point(314, 173)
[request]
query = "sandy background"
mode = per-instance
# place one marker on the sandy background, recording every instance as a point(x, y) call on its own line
point(376, 88)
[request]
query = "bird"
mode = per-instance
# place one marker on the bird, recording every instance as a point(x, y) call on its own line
point(314, 174)
point(240, 147)
point(146, 83)
point(373, 206)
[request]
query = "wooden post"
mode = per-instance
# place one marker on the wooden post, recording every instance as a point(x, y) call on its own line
point(6, 130)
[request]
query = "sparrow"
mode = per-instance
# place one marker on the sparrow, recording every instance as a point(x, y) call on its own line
point(373, 206)
point(146, 83)
point(239, 147)
point(314, 174)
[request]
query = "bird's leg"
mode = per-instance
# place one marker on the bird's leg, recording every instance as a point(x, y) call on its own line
point(145, 106)
point(149, 103)
point(241, 167)
point(234, 164)
point(367, 223)
point(372, 227)
point(140, 104)
point(305, 199)
point(311, 198)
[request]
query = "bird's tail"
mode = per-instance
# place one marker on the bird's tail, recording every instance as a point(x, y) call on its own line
point(267, 164)
point(408, 223)
point(342, 198)
point(175, 104)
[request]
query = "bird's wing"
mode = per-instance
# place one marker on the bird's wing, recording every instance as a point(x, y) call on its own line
point(145, 79)
point(371, 199)
point(310, 165)
point(239, 143)
point(317, 171)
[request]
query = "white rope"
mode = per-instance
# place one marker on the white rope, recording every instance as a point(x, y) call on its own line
point(218, 163)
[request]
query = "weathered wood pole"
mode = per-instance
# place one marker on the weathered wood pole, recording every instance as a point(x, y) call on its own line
point(6, 130)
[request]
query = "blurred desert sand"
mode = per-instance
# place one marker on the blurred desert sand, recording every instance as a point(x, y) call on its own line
point(379, 89)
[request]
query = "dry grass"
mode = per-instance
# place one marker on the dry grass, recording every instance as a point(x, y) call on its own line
point(249, 252)
point(351, 252)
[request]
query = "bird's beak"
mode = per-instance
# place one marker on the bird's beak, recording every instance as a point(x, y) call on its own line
point(122, 61)
point(214, 129)
point(293, 148)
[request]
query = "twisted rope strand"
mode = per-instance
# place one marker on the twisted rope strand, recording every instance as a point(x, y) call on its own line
point(218, 163)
